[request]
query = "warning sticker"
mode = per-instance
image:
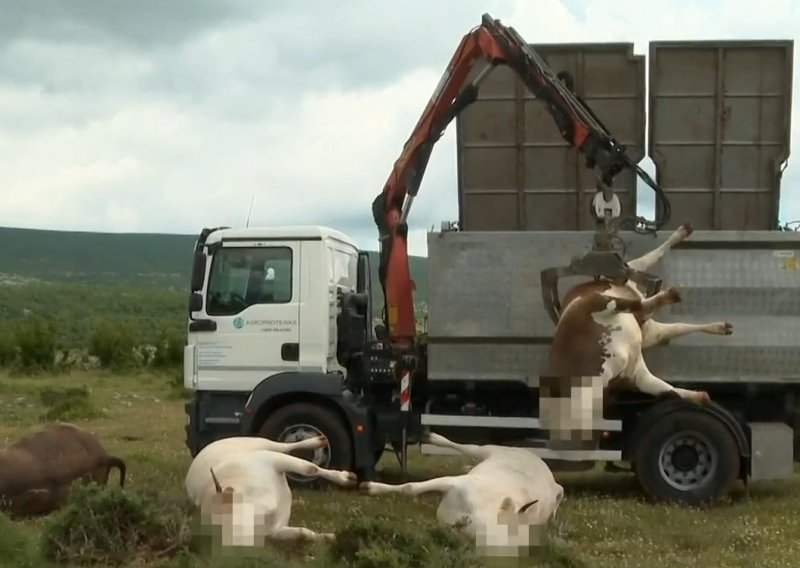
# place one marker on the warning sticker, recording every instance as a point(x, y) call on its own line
point(788, 259)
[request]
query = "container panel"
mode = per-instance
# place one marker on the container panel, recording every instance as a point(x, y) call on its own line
point(515, 172)
point(720, 121)
point(487, 319)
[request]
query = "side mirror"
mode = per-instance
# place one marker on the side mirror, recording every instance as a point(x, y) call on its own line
point(380, 332)
point(198, 271)
point(195, 302)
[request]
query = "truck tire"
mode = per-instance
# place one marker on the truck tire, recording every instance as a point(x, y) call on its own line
point(296, 421)
point(688, 457)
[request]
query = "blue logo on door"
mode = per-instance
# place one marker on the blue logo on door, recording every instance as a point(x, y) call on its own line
point(238, 323)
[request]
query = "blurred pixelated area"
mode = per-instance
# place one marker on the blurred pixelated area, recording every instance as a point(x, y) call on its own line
point(569, 410)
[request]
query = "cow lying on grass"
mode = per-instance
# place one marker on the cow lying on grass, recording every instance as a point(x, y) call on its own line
point(502, 502)
point(37, 471)
point(598, 343)
point(239, 484)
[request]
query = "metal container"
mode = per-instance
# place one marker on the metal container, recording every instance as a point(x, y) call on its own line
point(720, 122)
point(486, 318)
point(516, 172)
point(719, 132)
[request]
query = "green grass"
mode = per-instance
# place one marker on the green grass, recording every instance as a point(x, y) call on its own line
point(603, 520)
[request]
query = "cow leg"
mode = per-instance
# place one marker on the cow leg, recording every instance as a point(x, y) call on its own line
point(648, 260)
point(663, 298)
point(298, 533)
point(291, 464)
point(35, 502)
point(656, 333)
point(648, 383)
point(412, 488)
point(469, 450)
point(308, 444)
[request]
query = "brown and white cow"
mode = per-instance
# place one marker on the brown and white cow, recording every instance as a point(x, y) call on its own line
point(37, 471)
point(598, 342)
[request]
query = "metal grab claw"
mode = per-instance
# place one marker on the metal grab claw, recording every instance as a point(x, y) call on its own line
point(607, 264)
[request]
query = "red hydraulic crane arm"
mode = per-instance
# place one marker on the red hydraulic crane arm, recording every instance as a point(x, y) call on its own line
point(491, 44)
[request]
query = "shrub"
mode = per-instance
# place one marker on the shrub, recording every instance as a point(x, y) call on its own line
point(112, 345)
point(68, 404)
point(373, 542)
point(169, 350)
point(107, 526)
point(17, 548)
point(35, 340)
point(8, 351)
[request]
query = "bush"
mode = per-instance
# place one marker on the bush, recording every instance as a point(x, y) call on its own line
point(169, 350)
point(8, 351)
point(68, 404)
point(113, 346)
point(387, 543)
point(107, 526)
point(35, 340)
point(17, 548)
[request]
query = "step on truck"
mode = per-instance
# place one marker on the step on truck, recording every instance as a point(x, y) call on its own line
point(282, 342)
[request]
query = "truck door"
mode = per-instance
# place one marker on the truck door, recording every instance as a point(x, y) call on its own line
point(253, 296)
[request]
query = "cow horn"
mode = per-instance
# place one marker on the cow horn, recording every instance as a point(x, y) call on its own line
point(217, 486)
point(527, 505)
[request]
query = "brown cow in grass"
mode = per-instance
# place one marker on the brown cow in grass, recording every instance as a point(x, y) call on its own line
point(598, 343)
point(37, 471)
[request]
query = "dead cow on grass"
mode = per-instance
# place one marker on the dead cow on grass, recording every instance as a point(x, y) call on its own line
point(597, 347)
point(503, 502)
point(37, 471)
point(239, 484)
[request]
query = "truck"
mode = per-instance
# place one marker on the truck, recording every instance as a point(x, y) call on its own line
point(281, 341)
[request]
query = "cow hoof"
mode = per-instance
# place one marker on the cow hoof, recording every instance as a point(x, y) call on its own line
point(326, 537)
point(703, 398)
point(686, 229)
point(320, 441)
point(366, 488)
point(721, 328)
point(673, 296)
point(349, 479)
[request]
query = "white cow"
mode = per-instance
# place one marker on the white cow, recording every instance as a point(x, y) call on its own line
point(239, 484)
point(502, 502)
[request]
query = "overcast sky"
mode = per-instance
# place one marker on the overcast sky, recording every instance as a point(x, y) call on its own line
point(168, 116)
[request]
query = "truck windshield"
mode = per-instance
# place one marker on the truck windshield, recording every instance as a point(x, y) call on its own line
point(243, 276)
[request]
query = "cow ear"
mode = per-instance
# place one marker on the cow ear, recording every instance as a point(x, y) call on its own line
point(507, 505)
point(527, 505)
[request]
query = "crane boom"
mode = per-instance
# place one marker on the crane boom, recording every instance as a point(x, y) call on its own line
point(483, 48)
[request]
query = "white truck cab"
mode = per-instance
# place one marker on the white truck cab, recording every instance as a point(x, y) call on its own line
point(265, 302)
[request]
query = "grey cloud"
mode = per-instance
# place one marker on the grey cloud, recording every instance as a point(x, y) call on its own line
point(273, 48)
point(142, 24)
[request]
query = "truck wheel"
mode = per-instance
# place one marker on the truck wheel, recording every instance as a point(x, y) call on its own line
point(297, 421)
point(687, 457)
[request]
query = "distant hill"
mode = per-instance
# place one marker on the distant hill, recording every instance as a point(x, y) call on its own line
point(134, 259)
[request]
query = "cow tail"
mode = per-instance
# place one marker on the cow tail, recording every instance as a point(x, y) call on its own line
point(120, 465)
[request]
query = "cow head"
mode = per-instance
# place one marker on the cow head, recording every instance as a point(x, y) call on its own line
point(508, 514)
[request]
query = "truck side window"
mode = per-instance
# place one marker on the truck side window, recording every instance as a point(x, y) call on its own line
point(242, 277)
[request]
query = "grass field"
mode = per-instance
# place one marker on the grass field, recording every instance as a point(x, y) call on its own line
point(603, 520)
